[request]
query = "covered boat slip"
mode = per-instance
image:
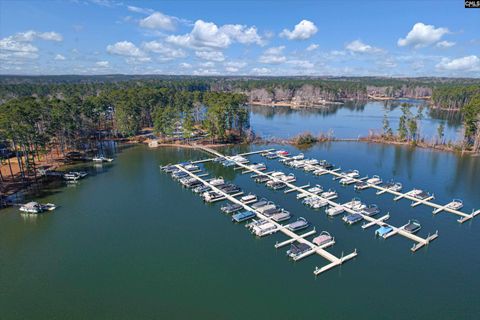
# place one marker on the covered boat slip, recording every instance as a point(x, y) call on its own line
point(419, 242)
point(451, 207)
point(334, 261)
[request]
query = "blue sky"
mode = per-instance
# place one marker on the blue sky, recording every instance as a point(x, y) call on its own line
point(362, 38)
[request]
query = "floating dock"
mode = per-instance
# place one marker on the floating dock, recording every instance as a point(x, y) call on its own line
point(463, 217)
point(334, 261)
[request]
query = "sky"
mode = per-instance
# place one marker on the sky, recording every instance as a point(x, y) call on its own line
point(266, 38)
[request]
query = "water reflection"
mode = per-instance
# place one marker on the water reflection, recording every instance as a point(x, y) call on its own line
point(351, 120)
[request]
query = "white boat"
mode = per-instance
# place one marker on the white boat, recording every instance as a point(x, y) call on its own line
point(35, 207)
point(74, 175)
point(191, 167)
point(375, 180)
point(311, 162)
point(315, 190)
point(299, 156)
point(329, 195)
point(334, 210)
point(281, 216)
point(310, 168)
point(264, 229)
point(456, 204)
point(322, 239)
point(320, 172)
point(298, 164)
point(288, 178)
point(355, 205)
point(347, 180)
point(239, 159)
point(217, 181)
point(248, 199)
point(102, 159)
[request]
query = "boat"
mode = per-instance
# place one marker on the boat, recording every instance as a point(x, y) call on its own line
point(370, 210)
point(310, 168)
point(74, 175)
point(201, 189)
point(413, 226)
point(334, 210)
point(271, 155)
point(216, 181)
point(361, 185)
point(179, 174)
point(282, 153)
point(266, 207)
point(383, 231)
point(281, 216)
point(259, 204)
point(329, 195)
point(299, 156)
point(314, 190)
point(271, 211)
point(375, 180)
point(231, 208)
point(354, 204)
point(393, 186)
point(320, 172)
point(422, 195)
point(250, 198)
point(322, 239)
point(169, 168)
point(35, 207)
point(456, 204)
point(191, 167)
point(239, 159)
point(300, 224)
point(325, 165)
point(101, 159)
point(311, 162)
point(211, 196)
point(352, 218)
point(265, 228)
point(243, 216)
point(277, 185)
point(347, 180)
point(258, 166)
point(288, 178)
point(262, 179)
point(297, 164)
point(297, 249)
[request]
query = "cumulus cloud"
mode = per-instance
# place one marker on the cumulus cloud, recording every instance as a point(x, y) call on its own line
point(302, 64)
point(302, 31)
point(234, 66)
point(210, 55)
point(445, 44)
point(139, 10)
point(102, 64)
point(209, 35)
point(185, 65)
point(422, 35)
point(158, 20)
point(273, 55)
point(466, 64)
point(166, 52)
point(358, 46)
point(261, 71)
point(59, 57)
point(127, 49)
point(312, 47)
point(19, 45)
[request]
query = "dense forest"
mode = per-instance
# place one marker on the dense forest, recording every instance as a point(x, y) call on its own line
point(35, 125)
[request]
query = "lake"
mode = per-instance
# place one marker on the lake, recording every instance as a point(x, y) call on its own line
point(350, 120)
point(128, 242)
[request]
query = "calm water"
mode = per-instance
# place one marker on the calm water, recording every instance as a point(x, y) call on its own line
point(129, 242)
point(349, 120)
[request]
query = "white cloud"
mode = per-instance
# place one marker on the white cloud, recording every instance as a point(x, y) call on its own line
point(205, 72)
point(139, 10)
point(158, 20)
point(303, 64)
point(185, 65)
point(273, 55)
point(467, 64)
point(59, 57)
point(312, 47)
point(261, 71)
point(445, 44)
point(166, 52)
point(302, 31)
point(125, 48)
point(234, 66)
point(19, 46)
point(210, 55)
point(358, 46)
point(209, 35)
point(422, 35)
point(102, 64)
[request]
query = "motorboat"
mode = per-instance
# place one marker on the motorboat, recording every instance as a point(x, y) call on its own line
point(262, 202)
point(250, 198)
point(413, 226)
point(101, 159)
point(216, 181)
point(243, 216)
point(456, 204)
point(300, 224)
point(370, 210)
point(361, 185)
point(334, 210)
point(375, 180)
point(322, 239)
point(74, 175)
point(347, 180)
point(383, 231)
point(314, 190)
point(35, 207)
point(329, 195)
point(231, 208)
point(283, 153)
point(297, 249)
point(201, 189)
point(281, 216)
point(352, 218)
point(263, 229)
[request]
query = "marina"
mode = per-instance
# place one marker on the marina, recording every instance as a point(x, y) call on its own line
point(417, 196)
